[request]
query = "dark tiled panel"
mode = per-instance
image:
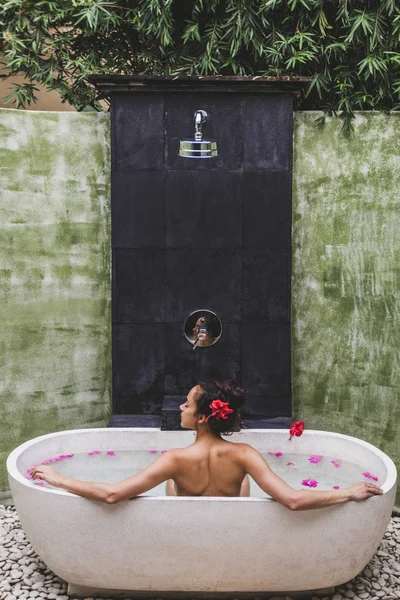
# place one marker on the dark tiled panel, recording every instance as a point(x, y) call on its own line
point(267, 134)
point(139, 285)
point(224, 125)
point(138, 209)
point(267, 406)
point(138, 132)
point(266, 286)
point(208, 279)
point(203, 210)
point(184, 367)
point(267, 209)
point(138, 368)
point(266, 360)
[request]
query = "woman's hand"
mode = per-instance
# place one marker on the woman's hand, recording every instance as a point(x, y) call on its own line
point(363, 490)
point(48, 474)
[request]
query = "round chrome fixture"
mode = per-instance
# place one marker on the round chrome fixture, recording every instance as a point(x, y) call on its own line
point(202, 328)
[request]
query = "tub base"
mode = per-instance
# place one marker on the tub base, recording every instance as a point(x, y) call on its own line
point(91, 592)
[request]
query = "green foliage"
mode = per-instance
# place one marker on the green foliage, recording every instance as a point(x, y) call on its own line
point(351, 48)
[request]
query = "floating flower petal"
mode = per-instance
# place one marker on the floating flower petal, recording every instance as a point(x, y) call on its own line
point(110, 453)
point(335, 487)
point(310, 483)
point(315, 458)
point(289, 464)
point(153, 451)
point(369, 475)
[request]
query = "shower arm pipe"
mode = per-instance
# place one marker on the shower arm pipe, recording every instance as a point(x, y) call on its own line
point(200, 117)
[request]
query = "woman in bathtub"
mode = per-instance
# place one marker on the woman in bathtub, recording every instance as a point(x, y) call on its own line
point(211, 466)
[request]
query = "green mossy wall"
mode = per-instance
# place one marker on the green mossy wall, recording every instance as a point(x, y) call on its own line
point(346, 278)
point(55, 348)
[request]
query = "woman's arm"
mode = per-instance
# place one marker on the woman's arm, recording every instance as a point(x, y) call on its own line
point(160, 470)
point(274, 486)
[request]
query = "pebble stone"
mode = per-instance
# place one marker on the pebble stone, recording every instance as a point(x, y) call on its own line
point(23, 576)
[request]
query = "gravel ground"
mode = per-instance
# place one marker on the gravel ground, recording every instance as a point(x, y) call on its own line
point(24, 575)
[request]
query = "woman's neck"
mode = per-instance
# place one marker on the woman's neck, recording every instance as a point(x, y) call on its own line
point(206, 434)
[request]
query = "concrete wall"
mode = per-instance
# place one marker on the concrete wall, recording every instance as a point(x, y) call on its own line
point(55, 346)
point(346, 278)
point(54, 276)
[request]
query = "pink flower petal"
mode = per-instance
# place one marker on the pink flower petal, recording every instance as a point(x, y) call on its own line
point(335, 487)
point(315, 458)
point(369, 475)
point(164, 451)
point(271, 453)
point(278, 453)
point(289, 464)
point(309, 483)
point(153, 451)
point(111, 453)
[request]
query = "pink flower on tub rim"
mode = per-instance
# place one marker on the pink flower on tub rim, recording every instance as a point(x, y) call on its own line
point(110, 453)
point(369, 475)
point(153, 451)
point(296, 429)
point(310, 483)
point(315, 458)
point(275, 454)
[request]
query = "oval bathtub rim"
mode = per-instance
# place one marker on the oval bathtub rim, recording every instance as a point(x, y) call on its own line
point(14, 472)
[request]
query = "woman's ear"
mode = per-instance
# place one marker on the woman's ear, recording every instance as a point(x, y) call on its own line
point(201, 419)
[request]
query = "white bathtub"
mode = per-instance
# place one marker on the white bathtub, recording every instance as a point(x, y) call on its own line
point(186, 544)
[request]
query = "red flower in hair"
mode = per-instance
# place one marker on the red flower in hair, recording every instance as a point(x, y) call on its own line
point(296, 429)
point(220, 410)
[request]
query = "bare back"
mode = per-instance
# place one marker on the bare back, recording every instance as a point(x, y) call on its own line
point(209, 468)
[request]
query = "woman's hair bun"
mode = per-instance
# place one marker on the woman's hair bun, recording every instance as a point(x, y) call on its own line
point(232, 392)
point(227, 391)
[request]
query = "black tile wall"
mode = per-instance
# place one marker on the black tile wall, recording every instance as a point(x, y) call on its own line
point(272, 406)
point(197, 234)
point(267, 209)
point(267, 134)
point(203, 211)
point(224, 124)
point(201, 278)
point(138, 132)
point(185, 367)
point(138, 369)
point(139, 285)
point(138, 216)
point(266, 359)
point(266, 285)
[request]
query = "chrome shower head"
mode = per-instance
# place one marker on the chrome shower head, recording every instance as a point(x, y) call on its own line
point(198, 148)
